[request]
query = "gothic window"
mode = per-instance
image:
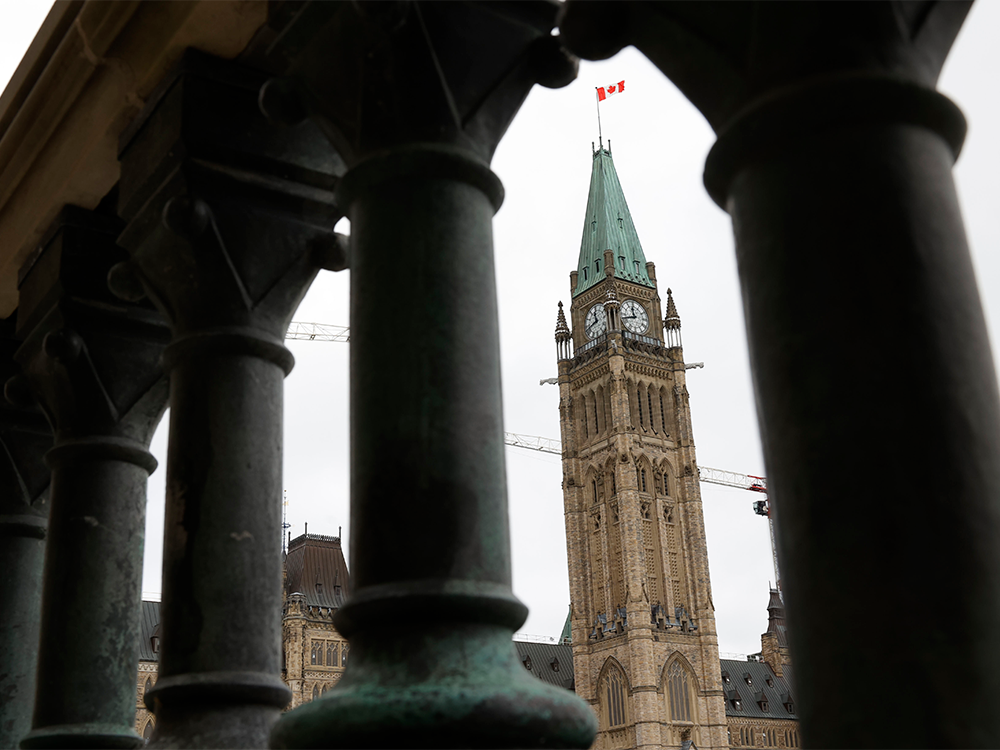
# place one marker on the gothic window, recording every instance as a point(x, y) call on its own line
point(583, 402)
point(663, 416)
point(642, 480)
point(343, 655)
point(613, 697)
point(148, 685)
point(642, 421)
point(315, 654)
point(315, 692)
point(147, 732)
point(679, 692)
point(649, 403)
point(597, 428)
point(331, 655)
point(593, 485)
point(614, 489)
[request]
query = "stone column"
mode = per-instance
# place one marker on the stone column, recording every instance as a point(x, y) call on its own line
point(92, 361)
point(428, 497)
point(24, 437)
point(868, 345)
point(229, 219)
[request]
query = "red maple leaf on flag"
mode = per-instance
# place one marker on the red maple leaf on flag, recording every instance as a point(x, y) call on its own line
point(603, 92)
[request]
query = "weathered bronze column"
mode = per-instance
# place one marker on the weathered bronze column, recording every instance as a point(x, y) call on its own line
point(428, 493)
point(875, 387)
point(25, 436)
point(92, 361)
point(229, 220)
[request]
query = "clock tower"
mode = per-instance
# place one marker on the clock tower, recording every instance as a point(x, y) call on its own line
point(645, 650)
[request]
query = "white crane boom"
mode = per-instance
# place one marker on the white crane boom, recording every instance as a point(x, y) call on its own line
point(317, 332)
point(323, 332)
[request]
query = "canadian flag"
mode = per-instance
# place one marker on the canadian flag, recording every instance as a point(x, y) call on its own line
point(603, 92)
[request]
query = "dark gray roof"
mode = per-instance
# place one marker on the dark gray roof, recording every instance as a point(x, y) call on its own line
point(777, 694)
point(543, 657)
point(315, 567)
point(776, 618)
point(150, 619)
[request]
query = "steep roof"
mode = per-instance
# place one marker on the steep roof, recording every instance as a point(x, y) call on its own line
point(776, 618)
point(549, 662)
point(315, 567)
point(608, 226)
point(148, 623)
point(776, 694)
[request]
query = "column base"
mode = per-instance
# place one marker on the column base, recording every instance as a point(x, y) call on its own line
point(445, 686)
point(82, 736)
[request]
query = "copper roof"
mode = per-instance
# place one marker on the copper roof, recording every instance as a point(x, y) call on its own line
point(315, 567)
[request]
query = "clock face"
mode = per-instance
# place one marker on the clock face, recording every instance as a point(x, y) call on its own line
point(634, 316)
point(596, 321)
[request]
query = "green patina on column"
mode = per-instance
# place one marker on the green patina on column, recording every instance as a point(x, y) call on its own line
point(92, 361)
point(429, 526)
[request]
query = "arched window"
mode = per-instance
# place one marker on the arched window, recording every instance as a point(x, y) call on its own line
point(343, 655)
point(147, 732)
point(315, 654)
point(148, 685)
point(663, 416)
point(331, 655)
point(642, 480)
point(315, 692)
point(613, 696)
point(649, 403)
point(593, 486)
point(679, 692)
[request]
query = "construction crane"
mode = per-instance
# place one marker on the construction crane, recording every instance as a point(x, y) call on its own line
point(762, 507)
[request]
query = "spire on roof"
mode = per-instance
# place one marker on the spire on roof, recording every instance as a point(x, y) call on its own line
point(608, 226)
point(562, 336)
point(672, 323)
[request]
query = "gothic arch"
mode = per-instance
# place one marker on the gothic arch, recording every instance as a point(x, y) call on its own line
point(609, 472)
point(665, 478)
point(644, 475)
point(612, 695)
point(147, 731)
point(680, 690)
point(592, 485)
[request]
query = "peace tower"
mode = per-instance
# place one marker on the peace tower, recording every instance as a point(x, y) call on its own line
point(645, 649)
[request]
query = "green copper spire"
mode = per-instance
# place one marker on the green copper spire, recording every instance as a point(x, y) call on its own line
point(608, 226)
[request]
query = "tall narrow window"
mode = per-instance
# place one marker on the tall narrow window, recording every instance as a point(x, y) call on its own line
point(621, 261)
point(597, 429)
point(638, 398)
point(315, 692)
point(679, 692)
point(597, 267)
point(149, 684)
point(586, 433)
point(642, 480)
point(614, 487)
point(331, 655)
point(593, 486)
point(649, 403)
point(315, 654)
point(343, 655)
point(663, 416)
point(614, 694)
point(636, 268)
point(584, 273)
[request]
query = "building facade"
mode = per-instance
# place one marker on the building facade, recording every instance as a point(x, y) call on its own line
point(645, 648)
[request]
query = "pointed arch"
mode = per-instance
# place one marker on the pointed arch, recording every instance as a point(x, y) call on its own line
point(315, 692)
point(148, 685)
point(644, 475)
point(147, 731)
point(680, 690)
point(612, 695)
point(609, 472)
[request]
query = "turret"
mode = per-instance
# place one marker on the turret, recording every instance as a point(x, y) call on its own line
point(563, 337)
point(672, 324)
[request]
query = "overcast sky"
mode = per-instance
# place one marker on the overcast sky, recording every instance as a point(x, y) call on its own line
point(659, 143)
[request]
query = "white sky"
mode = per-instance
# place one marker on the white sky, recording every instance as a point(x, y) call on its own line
point(659, 142)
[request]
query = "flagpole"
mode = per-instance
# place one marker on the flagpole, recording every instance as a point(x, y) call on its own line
point(600, 137)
